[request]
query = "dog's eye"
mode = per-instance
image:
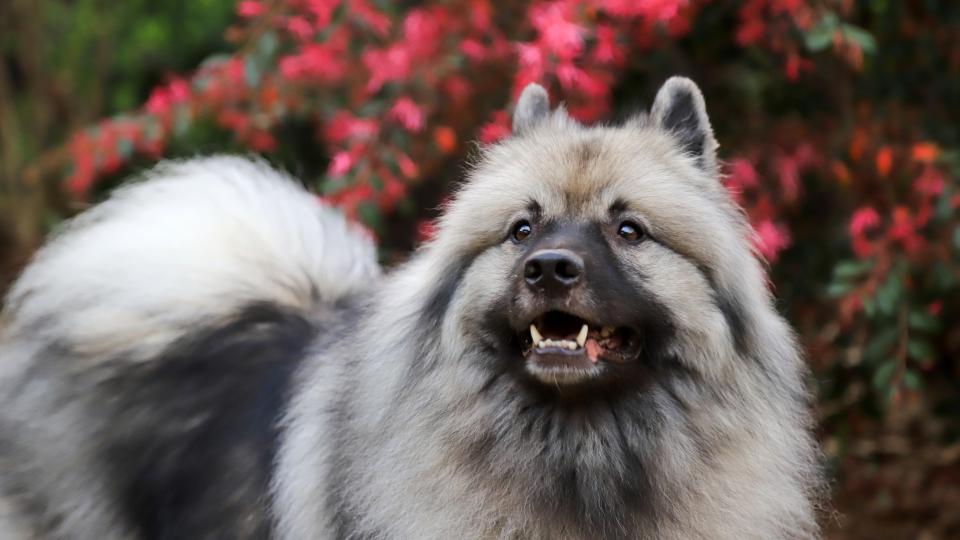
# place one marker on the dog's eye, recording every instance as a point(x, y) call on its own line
point(630, 231)
point(521, 230)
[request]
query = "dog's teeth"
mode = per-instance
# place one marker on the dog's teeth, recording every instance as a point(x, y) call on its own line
point(572, 346)
point(535, 334)
point(606, 331)
point(582, 336)
point(541, 344)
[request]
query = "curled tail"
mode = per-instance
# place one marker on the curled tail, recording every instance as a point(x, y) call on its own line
point(191, 244)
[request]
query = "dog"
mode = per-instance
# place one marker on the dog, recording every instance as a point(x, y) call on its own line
point(587, 348)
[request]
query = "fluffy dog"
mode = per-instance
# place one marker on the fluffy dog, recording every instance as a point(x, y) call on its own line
point(586, 349)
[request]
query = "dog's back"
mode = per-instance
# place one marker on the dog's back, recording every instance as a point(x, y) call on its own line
point(148, 349)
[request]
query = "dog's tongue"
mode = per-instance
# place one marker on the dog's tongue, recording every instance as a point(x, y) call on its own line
point(593, 349)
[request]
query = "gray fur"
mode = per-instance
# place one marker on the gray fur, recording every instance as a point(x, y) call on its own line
point(533, 107)
point(410, 417)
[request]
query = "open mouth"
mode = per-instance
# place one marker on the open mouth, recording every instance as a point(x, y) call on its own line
point(561, 347)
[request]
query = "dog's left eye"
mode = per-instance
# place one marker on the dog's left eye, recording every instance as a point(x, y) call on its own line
point(630, 231)
point(521, 230)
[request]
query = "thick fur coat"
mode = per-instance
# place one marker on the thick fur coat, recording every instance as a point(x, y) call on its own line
point(212, 353)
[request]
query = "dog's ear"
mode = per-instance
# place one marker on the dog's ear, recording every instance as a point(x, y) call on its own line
point(680, 110)
point(532, 108)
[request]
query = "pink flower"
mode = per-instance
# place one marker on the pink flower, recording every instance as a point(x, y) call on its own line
point(343, 126)
point(159, 101)
point(385, 65)
point(607, 50)
point(863, 220)
point(742, 174)
point(423, 30)
point(375, 20)
point(531, 62)
point(580, 81)
point(789, 171)
point(660, 10)
point(341, 163)
point(179, 91)
point(558, 34)
point(496, 129)
point(322, 11)
point(473, 49)
point(300, 28)
point(929, 183)
point(770, 239)
point(250, 8)
point(321, 61)
point(408, 114)
point(407, 167)
point(903, 229)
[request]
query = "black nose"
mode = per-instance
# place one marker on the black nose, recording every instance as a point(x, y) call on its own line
point(553, 270)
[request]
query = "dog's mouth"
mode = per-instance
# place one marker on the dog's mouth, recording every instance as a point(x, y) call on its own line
point(560, 347)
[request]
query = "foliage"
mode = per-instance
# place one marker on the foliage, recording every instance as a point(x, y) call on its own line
point(838, 119)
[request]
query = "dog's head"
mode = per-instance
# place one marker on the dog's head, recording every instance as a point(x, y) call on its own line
point(586, 257)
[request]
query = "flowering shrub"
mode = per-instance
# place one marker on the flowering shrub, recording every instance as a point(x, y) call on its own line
point(850, 181)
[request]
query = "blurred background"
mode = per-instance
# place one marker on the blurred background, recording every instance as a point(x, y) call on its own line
point(839, 122)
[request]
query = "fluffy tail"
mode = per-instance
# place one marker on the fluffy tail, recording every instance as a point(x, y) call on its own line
point(191, 244)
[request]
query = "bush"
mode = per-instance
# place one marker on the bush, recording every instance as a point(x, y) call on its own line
point(838, 120)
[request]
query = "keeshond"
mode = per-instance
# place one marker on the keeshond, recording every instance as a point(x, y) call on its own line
point(586, 349)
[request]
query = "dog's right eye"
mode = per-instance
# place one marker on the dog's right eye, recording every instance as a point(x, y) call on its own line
point(521, 230)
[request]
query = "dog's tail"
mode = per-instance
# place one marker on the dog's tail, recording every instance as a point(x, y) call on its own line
point(191, 245)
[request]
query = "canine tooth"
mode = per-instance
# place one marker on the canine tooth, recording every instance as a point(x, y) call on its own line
point(535, 334)
point(582, 336)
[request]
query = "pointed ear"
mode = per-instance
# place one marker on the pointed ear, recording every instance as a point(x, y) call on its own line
point(679, 109)
point(532, 108)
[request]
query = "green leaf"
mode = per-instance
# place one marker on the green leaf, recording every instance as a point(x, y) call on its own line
point(252, 71)
point(888, 295)
point(838, 289)
point(267, 46)
point(912, 380)
point(850, 269)
point(861, 37)
point(369, 214)
point(879, 346)
point(820, 36)
point(124, 148)
point(920, 349)
point(883, 375)
point(921, 320)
